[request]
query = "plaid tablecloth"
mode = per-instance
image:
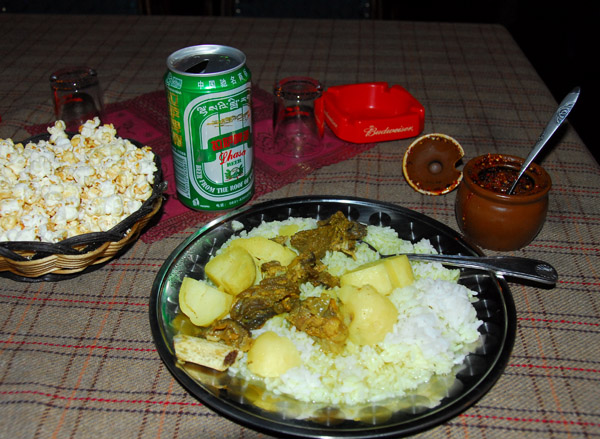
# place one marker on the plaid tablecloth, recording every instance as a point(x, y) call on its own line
point(77, 357)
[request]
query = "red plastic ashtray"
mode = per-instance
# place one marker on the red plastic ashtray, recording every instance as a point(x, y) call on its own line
point(370, 112)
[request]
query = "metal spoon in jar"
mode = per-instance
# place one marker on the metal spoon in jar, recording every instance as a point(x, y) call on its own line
point(557, 119)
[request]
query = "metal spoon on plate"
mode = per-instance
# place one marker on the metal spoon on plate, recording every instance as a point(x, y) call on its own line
point(511, 266)
point(532, 270)
point(557, 119)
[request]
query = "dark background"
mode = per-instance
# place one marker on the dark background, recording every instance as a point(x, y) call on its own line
point(560, 39)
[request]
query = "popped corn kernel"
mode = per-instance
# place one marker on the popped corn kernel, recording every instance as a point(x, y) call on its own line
point(55, 189)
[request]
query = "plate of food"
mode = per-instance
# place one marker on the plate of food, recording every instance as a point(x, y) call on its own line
point(286, 318)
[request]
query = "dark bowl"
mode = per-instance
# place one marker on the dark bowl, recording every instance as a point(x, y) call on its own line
point(279, 415)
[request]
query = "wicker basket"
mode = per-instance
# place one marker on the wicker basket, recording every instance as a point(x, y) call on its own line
point(36, 261)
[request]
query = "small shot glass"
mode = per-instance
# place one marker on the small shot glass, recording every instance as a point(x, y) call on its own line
point(77, 95)
point(294, 126)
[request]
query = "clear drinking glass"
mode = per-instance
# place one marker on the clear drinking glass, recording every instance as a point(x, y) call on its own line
point(77, 95)
point(294, 126)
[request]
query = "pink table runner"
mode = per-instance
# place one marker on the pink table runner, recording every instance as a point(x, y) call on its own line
point(145, 119)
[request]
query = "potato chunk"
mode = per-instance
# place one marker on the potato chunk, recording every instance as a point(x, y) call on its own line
point(399, 271)
point(272, 355)
point(384, 274)
point(373, 273)
point(233, 270)
point(371, 314)
point(202, 303)
point(265, 250)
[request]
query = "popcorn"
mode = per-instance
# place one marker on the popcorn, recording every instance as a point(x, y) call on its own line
point(55, 189)
point(9, 206)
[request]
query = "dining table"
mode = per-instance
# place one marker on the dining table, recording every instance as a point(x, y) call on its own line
point(77, 356)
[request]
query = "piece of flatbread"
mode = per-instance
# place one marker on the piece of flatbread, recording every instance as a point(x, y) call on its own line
point(212, 354)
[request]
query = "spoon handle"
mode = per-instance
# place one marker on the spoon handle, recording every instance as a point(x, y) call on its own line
point(514, 266)
point(558, 118)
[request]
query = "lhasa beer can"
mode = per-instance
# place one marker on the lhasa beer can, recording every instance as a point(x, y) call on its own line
point(208, 94)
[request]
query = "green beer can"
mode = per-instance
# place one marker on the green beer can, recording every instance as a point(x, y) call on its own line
point(208, 95)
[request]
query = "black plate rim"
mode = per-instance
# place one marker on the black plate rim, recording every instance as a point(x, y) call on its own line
point(280, 429)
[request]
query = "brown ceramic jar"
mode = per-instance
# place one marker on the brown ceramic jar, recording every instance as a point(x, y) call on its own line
point(491, 218)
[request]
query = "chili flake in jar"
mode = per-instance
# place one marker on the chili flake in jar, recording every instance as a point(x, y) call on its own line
point(495, 174)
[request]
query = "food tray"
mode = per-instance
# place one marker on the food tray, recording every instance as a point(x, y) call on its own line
point(33, 261)
point(239, 401)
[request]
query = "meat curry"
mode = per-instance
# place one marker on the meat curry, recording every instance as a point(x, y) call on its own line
point(279, 290)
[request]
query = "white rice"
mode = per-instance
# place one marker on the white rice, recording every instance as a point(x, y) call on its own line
point(436, 329)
